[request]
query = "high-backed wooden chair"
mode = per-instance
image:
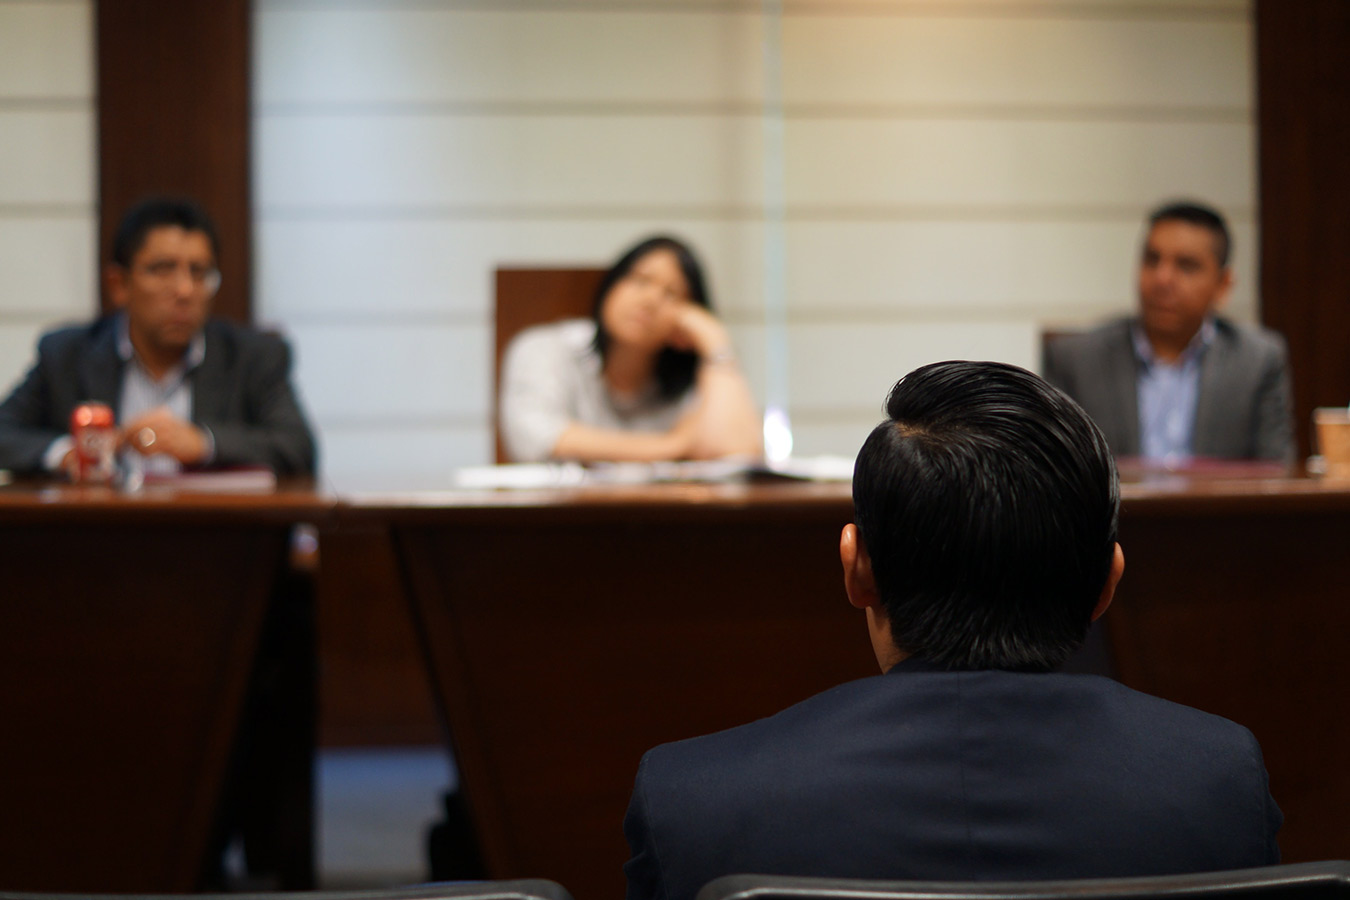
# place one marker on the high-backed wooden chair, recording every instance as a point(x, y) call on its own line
point(533, 296)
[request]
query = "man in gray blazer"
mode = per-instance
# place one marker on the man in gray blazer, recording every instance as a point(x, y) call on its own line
point(186, 390)
point(1176, 381)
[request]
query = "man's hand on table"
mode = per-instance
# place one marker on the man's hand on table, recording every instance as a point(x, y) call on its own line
point(160, 431)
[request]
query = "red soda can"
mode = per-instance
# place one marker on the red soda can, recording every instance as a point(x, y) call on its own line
point(95, 434)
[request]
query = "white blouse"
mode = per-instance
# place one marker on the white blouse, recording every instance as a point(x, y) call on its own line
point(551, 378)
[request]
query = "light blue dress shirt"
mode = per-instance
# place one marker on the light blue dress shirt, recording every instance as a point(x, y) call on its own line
point(142, 392)
point(1168, 393)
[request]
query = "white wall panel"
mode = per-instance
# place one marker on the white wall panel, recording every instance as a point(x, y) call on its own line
point(422, 163)
point(1028, 62)
point(399, 374)
point(47, 226)
point(834, 438)
point(1026, 165)
point(960, 174)
point(49, 266)
point(18, 346)
point(495, 162)
point(434, 268)
point(1119, 10)
point(393, 458)
point(430, 54)
point(46, 50)
point(851, 366)
point(1058, 270)
point(1116, 9)
point(46, 158)
point(845, 368)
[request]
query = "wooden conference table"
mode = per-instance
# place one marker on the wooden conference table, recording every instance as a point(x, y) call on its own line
point(129, 627)
point(569, 630)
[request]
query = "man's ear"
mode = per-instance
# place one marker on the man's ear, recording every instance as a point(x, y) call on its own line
point(115, 279)
point(859, 583)
point(1112, 579)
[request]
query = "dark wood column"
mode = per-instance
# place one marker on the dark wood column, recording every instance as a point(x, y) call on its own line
point(174, 118)
point(1303, 96)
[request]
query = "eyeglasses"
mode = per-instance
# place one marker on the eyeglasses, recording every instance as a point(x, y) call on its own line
point(165, 271)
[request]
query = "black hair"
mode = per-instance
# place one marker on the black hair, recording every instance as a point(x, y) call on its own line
point(1199, 214)
point(675, 369)
point(150, 213)
point(988, 503)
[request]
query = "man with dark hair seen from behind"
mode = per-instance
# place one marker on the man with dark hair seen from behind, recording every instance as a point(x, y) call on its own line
point(186, 389)
point(984, 544)
point(1178, 382)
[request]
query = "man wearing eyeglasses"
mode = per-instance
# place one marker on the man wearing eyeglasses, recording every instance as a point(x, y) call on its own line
point(187, 390)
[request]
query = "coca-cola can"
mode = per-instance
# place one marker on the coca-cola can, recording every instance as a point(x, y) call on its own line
point(95, 435)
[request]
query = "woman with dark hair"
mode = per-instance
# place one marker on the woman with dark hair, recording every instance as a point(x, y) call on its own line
point(652, 375)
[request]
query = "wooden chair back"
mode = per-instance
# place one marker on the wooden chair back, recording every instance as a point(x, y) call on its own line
point(527, 296)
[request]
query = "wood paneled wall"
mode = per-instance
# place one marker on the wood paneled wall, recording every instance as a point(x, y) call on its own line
point(1303, 86)
point(174, 117)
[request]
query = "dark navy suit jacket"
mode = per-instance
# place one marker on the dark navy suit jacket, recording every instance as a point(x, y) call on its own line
point(935, 775)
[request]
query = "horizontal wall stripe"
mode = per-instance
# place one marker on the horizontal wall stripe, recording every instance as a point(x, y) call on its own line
point(439, 56)
point(834, 315)
point(798, 213)
point(1175, 10)
point(47, 210)
point(335, 424)
point(1169, 11)
point(352, 212)
point(46, 319)
point(790, 111)
point(1058, 312)
point(47, 104)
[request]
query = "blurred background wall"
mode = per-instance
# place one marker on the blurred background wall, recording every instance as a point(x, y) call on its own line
point(48, 188)
point(958, 177)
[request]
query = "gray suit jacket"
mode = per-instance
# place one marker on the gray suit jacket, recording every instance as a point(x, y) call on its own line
point(241, 392)
point(1243, 411)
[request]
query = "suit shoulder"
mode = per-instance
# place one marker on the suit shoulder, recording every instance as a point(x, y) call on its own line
point(745, 747)
point(69, 340)
point(1180, 724)
point(1254, 339)
point(244, 339)
point(1112, 332)
point(75, 333)
point(1087, 346)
